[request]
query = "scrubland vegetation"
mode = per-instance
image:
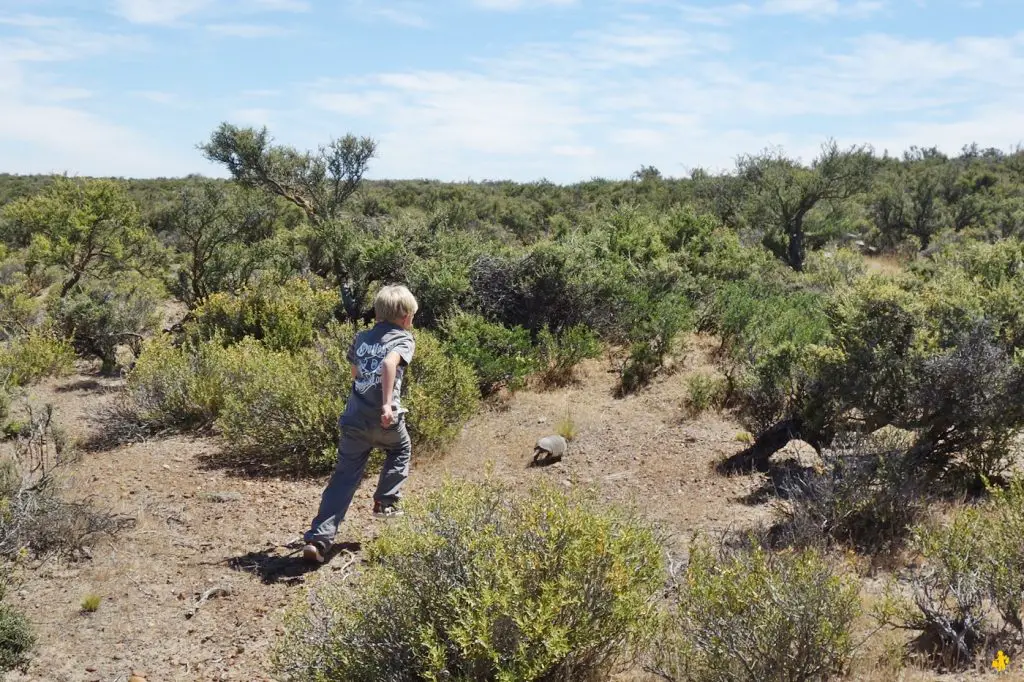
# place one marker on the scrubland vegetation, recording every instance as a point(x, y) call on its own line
point(870, 306)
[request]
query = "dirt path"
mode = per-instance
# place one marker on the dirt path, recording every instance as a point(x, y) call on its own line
point(200, 527)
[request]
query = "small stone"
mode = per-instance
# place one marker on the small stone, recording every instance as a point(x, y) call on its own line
point(90, 669)
point(221, 497)
point(567, 483)
point(136, 678)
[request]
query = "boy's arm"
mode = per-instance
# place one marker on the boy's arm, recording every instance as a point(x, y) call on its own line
point(355, 372)
point(388, 372)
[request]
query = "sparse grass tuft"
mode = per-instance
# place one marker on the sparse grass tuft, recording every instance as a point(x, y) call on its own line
point(567, 427)
point(91, 603)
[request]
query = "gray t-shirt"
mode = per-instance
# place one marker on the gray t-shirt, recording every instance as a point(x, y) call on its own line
point(367, 353)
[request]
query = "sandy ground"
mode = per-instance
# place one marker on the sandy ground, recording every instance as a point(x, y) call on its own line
point(201, 526)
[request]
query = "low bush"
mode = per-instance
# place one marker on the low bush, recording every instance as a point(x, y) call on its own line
point(285, 317)
point(753, 615)
point(865, 496)
point(100, 316)
point(967, 595)
point(34, 518)
point(17, 640)
point(654, 337)
point(175, 386)
point(477, 583)
point(558, 354)
point(500, 356)
point(441, 394)
point(704, 392)
point(281, 408)
point(29, 357)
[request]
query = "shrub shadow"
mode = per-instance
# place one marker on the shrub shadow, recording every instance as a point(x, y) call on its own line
point(86, 385)
point(780, 482)
point(273, 568)
point(248, 464)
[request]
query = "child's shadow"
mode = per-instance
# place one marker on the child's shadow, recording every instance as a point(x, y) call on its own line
point(273, 568)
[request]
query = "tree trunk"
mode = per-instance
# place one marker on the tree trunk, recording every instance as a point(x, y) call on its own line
point(795, 253)
point(767, 444)
point(68, 285)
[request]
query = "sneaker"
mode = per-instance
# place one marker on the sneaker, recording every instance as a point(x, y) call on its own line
point(382, 511)
point(315, 551)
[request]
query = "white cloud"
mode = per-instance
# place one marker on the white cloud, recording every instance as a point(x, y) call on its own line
point(574, 150)
point(403, 13)
point(158, 11)
point(281, 5)
point(158, 97)
point(511, 5)
point(727, 13)
point(247, 30)
point(37, 113)
point(400, 17)
point(63, 139)
point(29, 21)
point(173, 12)
point(607, 101)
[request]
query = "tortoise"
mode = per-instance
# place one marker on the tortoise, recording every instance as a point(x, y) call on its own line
point(552, 447)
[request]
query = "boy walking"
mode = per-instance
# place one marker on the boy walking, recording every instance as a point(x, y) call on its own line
point(373, 418)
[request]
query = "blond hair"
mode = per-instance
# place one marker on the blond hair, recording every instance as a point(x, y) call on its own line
point(394, 302)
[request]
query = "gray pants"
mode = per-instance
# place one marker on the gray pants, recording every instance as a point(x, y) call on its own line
point(357, 440)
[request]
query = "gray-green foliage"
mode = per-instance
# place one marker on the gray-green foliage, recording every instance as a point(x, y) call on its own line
point(500, 357)
point(101, 315)
point(481, 583)
point(318, 182)
point(223, 234)
point(967, 592)
point(17, 640)
point(86, 228)
point(752, 615)
point(778, 194)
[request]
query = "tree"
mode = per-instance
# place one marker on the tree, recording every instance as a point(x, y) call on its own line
point(781, 192)
point(86, 228)
point(319, 183)
point(218, 229)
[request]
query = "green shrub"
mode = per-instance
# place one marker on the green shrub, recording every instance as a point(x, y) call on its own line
point(559, 354)
point(969, 591)
point(40, 353)
point(499, 356)
point(866, 495)
point(21, 310)
point(655, 338)
point(476, 583)
point(704, 392)
point(100, 316)
point(281, 408)
point(441, 394)
point(284, 317)
point(91, 603)
point(16, 637)
point(284, 407)
point(173, 386)
point(753, 615)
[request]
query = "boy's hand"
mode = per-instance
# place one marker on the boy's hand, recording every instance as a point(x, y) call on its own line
point(387, 416)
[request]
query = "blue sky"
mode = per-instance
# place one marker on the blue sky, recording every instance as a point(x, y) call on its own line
point(491, 89)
